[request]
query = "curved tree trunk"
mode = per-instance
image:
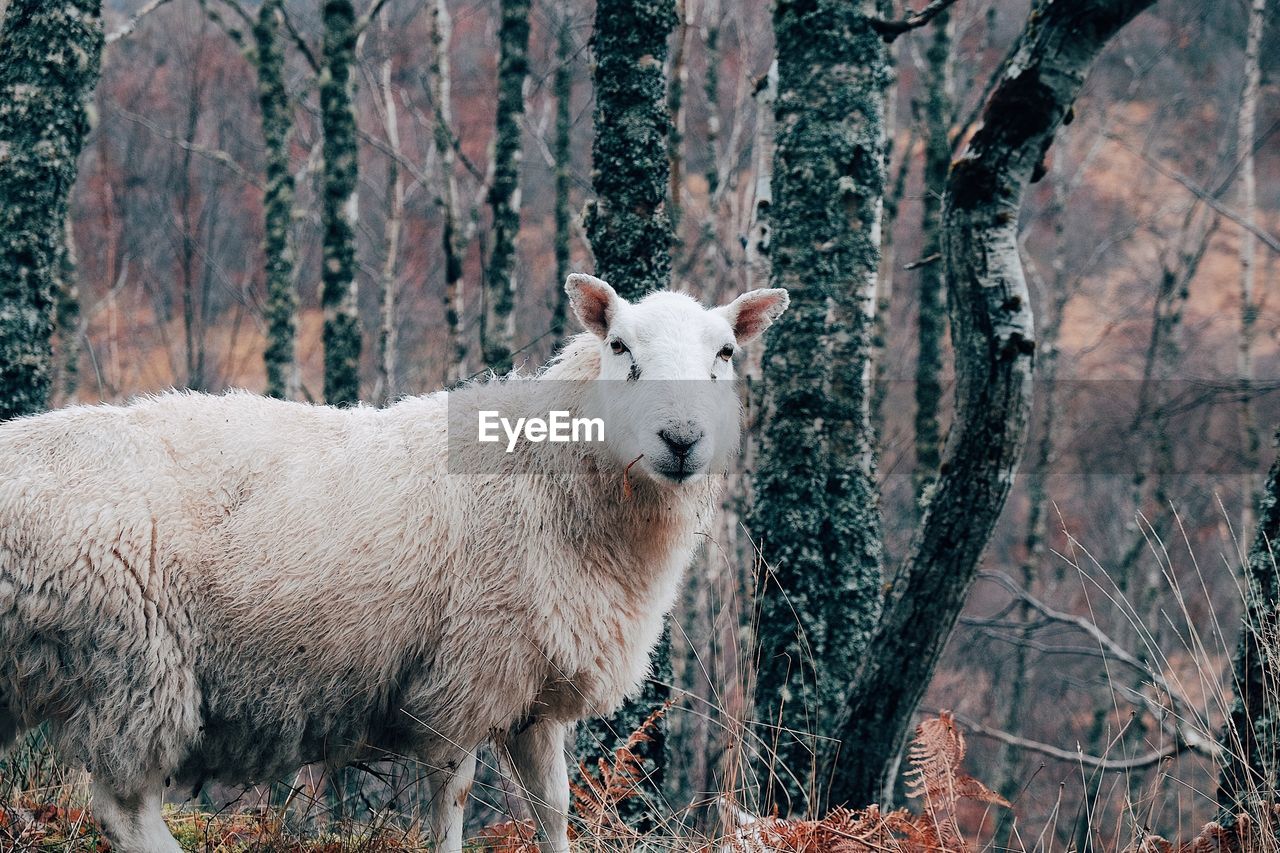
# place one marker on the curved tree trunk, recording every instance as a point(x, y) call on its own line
point(994, 343)
point(630, 235)
point(497, 332)
point(340, 209)
point(48, 68)
point(277, 203)
point(815, 511)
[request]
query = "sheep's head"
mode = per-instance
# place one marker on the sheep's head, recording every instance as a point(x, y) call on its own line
point(665, 388)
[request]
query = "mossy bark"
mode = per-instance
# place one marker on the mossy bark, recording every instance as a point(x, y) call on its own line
point(339, 211)
point(277, 203)
point(497, 333)
point(932, 322)
point(627, 223)
point(994, 344)
point(562, 152)
point(816, 511)
point(1250, 775)
point(48, 69)
point(630, 234)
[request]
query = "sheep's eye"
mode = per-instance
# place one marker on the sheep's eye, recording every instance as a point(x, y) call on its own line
point(726, 352)
point(618, 347)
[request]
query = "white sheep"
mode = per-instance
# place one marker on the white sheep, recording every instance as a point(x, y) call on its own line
point(200, 587)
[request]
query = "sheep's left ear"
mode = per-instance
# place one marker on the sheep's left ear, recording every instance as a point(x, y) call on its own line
point(753, 312)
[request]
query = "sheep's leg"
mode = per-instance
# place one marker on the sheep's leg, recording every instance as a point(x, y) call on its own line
point(537, 757)
point(133, 821)
point(450, 788)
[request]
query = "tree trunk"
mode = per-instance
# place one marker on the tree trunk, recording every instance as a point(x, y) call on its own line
point(388, 339)
point(1246, 130)
point(815, 507)
point(67, 320)
point(451, 234)
point(932, 324)
point(277, 203)
point(340, 209)
point(630, 235)
point(498, 329)
point(563, 155)
point(48, 69)
point(1251, 754)
point(627, 223)
point(993, 340)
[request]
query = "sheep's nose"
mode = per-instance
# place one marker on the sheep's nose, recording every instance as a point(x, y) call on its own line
point(680, 441)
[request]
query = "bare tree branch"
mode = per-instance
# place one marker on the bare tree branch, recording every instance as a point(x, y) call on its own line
point(890, 30)
point(132, 24)
point(1076, 756)
point(303, 47)
point(1268, 239)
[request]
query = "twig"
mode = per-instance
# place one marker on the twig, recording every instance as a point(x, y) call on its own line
point(303, 48)
point(1201, 193)
point(626, 484)
point(366, 19)
point(132, 24)
point(890, 30)
point(215, 154)
point(1074, 757)
point(923, 262)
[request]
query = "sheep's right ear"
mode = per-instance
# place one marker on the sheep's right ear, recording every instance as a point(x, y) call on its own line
point(594, 302)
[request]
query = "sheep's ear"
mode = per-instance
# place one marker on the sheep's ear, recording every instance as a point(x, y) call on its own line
point(594, 302)
point(753, 312)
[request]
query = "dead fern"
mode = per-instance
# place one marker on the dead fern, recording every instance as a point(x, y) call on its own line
point(596, 799)
point(935, 778)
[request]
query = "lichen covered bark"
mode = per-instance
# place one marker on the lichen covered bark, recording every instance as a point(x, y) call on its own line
point(48, 69)
point(563, 155)
point(277, 203)
point(1250, 773)
point(816, 513)
point(504, 193)
point(627, 223)
point(339, 210)
point(630, 234)
point(932, 322)
point(994, 343)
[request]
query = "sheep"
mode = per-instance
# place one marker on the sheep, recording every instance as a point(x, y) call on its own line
point(198, 587)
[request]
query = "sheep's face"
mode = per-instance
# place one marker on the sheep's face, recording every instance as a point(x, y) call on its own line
point(665, 389)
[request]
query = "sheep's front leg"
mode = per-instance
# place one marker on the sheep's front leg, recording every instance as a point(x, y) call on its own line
point(450, 787)
point(133, 820)
point(537, 757)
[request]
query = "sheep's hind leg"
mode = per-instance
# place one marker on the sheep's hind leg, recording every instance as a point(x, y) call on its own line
point(450, 788)
point(537, 757)
point(134, 821)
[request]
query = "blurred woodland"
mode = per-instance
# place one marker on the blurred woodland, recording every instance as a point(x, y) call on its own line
point(1092, 662)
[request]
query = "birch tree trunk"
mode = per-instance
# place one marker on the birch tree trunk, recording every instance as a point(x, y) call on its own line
point(277, 203)
point(1246, 131)
point(1251, 767)
point(48, 68)
point(994, 344)
point(629, 231)
point(340, 209)
point(815, 508)
point(388, 339)
point(497, 331)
